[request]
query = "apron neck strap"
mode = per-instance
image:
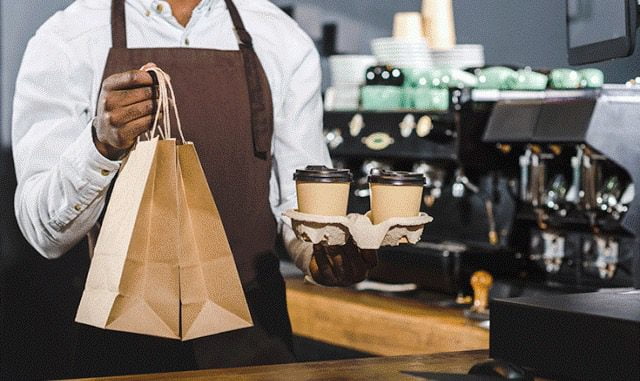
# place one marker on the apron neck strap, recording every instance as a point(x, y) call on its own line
point(243, 36)
point(119, 25)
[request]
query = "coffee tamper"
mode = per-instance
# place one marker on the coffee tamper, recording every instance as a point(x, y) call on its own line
point(481, 282)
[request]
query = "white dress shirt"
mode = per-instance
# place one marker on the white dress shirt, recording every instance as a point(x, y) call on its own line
point(63, 179)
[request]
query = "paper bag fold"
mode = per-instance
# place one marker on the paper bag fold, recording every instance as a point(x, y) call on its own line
point(211, 295)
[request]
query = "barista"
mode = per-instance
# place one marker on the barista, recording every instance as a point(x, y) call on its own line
point(68, 150)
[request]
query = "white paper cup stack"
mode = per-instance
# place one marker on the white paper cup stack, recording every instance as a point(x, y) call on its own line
point(439, 27)
point(408, 25)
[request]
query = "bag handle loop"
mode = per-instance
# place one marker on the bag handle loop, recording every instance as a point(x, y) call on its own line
point(166, 103)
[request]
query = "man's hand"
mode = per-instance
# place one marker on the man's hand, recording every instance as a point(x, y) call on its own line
point(341, 265)
point(125, 111)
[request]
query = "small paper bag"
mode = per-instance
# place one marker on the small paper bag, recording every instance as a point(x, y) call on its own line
point(162, 265)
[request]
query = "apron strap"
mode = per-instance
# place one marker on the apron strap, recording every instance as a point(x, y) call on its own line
point(118, 24)
point(243, 36)
point(259, 91)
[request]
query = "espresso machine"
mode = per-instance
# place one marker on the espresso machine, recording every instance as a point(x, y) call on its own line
point(577, 215)
point(579, 223)
point(535, 187)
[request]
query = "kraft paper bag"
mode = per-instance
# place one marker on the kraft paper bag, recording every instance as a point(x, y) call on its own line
point(162, 264)
point(133, 280)
point(211, 295)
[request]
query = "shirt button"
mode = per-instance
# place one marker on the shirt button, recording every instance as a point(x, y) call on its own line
point(186, 41)
point(77, 207)
point(159, 7)
point(104, 172)
point(147, 13)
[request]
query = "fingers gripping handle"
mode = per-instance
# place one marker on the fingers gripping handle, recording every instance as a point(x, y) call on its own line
point(165, 103)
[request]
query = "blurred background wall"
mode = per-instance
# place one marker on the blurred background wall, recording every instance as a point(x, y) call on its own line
point(18, 22)
point(521, 32)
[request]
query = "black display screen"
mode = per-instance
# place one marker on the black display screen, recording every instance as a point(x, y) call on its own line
point(599, 30)
point(592, 21)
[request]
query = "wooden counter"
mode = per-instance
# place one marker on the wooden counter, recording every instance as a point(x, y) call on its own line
point(379, 368)
point(377, 324)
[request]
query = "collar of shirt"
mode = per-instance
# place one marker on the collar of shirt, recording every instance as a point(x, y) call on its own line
point(163, 7)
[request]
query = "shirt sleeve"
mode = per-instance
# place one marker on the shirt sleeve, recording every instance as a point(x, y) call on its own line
point(298, 142)
point(298, 136)
point(62, 178)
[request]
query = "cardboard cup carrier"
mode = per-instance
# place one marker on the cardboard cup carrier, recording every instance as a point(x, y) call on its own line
point(395, 217)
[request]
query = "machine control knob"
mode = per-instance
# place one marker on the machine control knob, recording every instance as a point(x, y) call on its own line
point(424, 126)
point(356, 125)
point(407, 125)
point(378, 141)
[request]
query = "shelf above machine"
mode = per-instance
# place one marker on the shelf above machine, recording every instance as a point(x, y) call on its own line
point(482, 95)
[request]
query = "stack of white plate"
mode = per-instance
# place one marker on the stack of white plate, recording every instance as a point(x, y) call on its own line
point(349, 69)
point(460, 57)
point(342, 98)
point(403, 53)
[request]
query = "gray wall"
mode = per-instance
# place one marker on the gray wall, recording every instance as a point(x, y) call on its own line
point(523, 32)
point(19, 20)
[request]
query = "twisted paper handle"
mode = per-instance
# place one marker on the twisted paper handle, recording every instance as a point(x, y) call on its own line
point(166, 102)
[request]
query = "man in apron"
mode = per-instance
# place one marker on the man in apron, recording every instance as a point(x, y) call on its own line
point(252, 107)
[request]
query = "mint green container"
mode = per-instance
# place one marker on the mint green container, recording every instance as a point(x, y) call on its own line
point(431, 99)
point(453, 78)
point(591, 78)
point(440, 79)
point(527, 79)
point(496, 78)
point(381, 98)
point(565, 79)
point(408, 97)
point(414, 77)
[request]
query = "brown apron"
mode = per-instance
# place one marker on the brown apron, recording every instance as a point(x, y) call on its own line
point(226, 109)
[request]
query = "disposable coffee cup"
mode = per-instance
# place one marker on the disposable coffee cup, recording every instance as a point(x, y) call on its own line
point(395, 194)
point(323, 191)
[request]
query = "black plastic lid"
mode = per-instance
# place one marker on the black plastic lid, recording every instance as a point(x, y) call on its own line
point(322, 174)
point(378, 176)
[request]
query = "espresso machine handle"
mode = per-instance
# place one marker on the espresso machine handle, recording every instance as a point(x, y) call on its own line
point(573, 195)
point(491, 219)
point(525, 162)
